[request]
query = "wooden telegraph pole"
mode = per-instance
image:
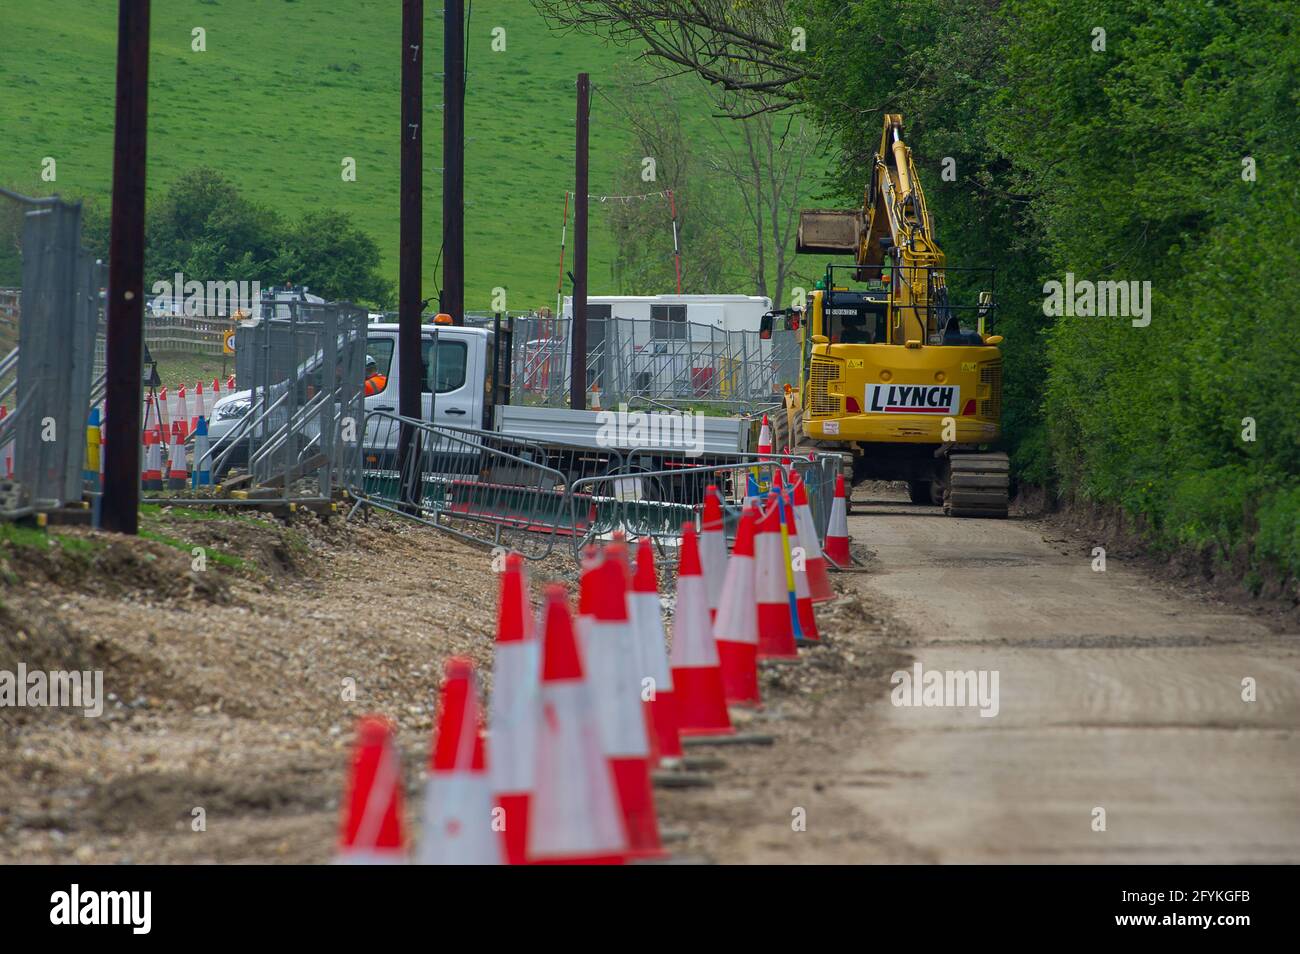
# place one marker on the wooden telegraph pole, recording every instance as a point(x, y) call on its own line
point(578, 330)
point(453, 161)
point(410, 238)
point(120, 509)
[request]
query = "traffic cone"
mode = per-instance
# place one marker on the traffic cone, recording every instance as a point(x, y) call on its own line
point(618, 550)
point(200, 409)
point(174, 412)
point(787, 556)
point(6, 452)
point(89, 470)
point(837, 531)
point(178, 471)
point(647, 618)
point(372, 819)
point(183, 412)
point(103, 442)
point(775, 632)
point(697, 675)
point(765, 439)
point(713, 548)
point(164, 410)
point(819, 581)
point(574, 814)
point(215, 394)
point(512, 726)
point(804, 621)
point(736, 628)
point(201, 471)
point(151, 474)
point(459, 818)
point(610, 648)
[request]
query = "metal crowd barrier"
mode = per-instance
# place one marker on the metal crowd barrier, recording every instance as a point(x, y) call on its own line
point(500, 490)
point(648, 497)
point(478, 485)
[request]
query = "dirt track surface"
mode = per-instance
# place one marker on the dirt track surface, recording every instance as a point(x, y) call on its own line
point(228, 689)
point(1116, 693)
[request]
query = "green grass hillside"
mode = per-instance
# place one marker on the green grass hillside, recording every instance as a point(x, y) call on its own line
point(288, 88)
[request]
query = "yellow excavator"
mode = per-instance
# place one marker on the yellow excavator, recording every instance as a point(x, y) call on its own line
point(888, 372)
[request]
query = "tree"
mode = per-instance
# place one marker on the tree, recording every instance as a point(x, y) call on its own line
point(642, 228)
point(205, 228)
point(753, 52)
point(765, 163)
point(329, 254)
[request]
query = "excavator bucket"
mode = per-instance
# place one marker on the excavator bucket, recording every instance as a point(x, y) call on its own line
point(830, 231)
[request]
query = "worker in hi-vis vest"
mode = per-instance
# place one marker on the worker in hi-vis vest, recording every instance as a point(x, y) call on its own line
point(375, 382)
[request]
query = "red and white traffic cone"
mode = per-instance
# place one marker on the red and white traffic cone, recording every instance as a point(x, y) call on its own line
point(215, 394)
point(183, 412)
point(174, 411)
point(151, 473)
point(372, 818)
point(697, 674)
point(200, 408)
point(765, 439)
point(819, 581)
point(574, 816)
point(775, 629)
point(610, 648)
point(6, 452)
point(164, 410)
point(713, 548)
point(736, 628)
point(178, 470)
point(618, 550)
point(459, 824)
point(647, 618)
point(516, 701)
point(837, 531)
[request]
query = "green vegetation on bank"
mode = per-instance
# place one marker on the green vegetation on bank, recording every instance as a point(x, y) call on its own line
point(1169, 157)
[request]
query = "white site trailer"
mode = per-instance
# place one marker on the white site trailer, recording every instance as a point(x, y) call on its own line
point(671, 344)
point(726, 312)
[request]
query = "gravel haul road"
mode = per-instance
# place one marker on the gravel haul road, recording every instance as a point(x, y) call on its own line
point(1116, 694)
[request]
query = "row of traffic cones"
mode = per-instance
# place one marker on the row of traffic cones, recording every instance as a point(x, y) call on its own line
point(166, 450)
point(184, 406)
point(585, 707)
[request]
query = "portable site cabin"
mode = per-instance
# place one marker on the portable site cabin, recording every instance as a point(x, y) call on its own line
point(672, 346)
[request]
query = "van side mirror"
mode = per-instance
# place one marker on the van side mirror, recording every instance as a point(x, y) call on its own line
point(765, 327)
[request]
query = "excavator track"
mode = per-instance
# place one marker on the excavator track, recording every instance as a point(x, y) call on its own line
point(978, 485)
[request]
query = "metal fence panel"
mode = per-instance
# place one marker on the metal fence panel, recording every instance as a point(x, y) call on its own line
point(302, 432)
point(478, 485)
point(647, 499)
point(45, 382)
point(656, 362)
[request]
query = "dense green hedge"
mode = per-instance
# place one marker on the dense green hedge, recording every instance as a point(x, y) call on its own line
point(1122, 163)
